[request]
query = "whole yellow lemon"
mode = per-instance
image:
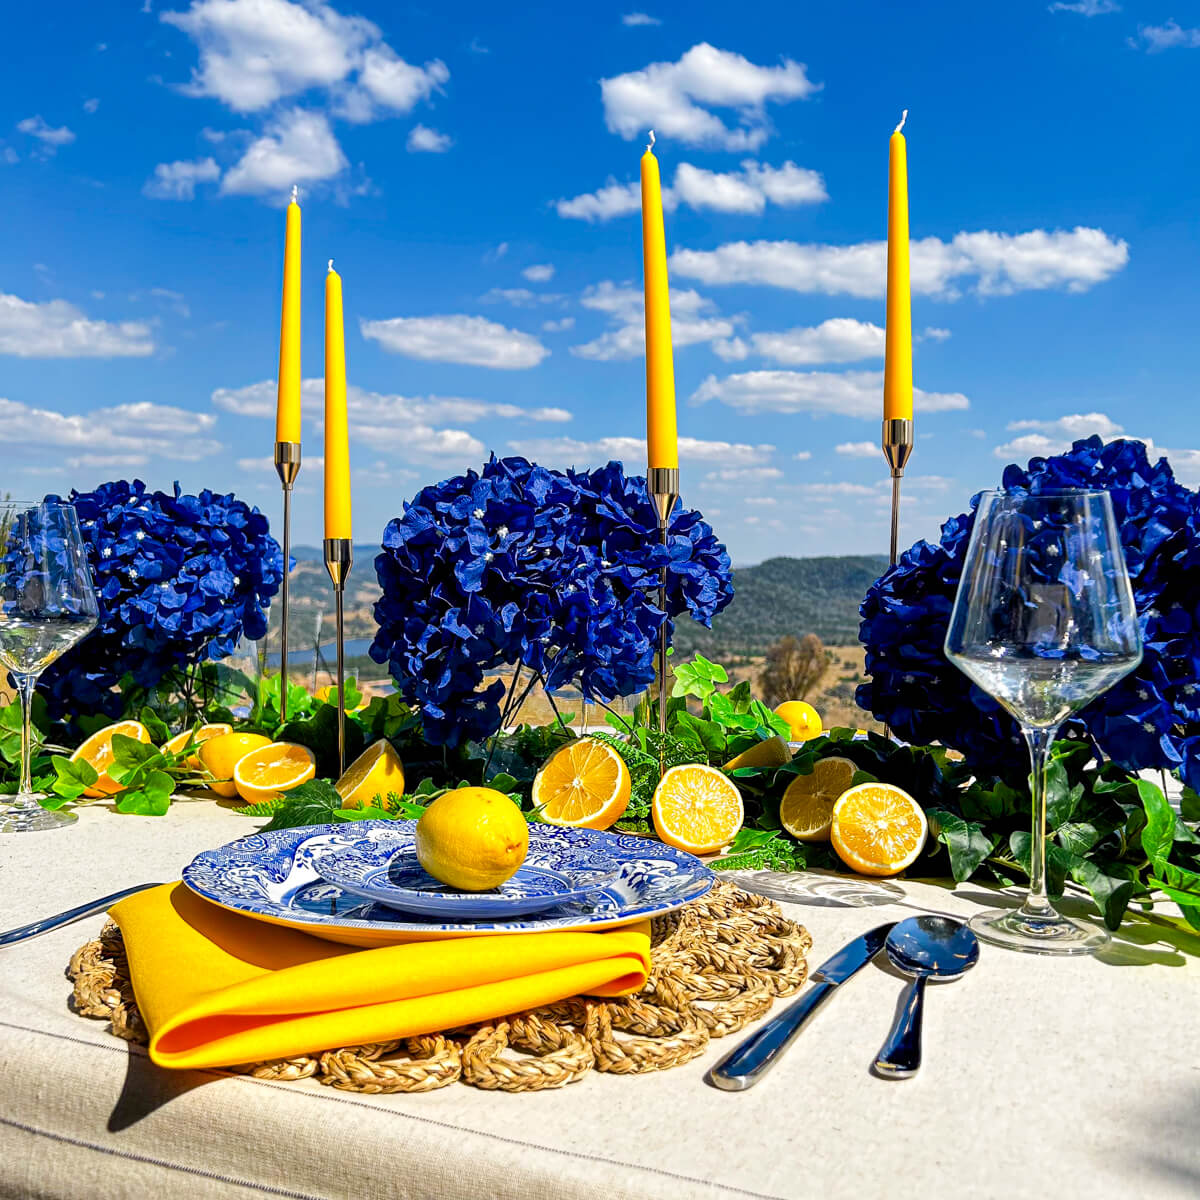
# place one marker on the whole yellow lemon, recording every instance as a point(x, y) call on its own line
point(802, 717)
point(473, 838)
point(221, 754)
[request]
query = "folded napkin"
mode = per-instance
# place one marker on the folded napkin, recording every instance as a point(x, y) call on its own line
point(216, 988)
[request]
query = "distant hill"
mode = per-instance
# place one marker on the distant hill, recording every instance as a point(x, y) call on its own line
point(787, 595)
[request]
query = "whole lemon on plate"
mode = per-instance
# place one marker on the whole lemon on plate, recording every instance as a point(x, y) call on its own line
point(802, 717)
point(473, 838)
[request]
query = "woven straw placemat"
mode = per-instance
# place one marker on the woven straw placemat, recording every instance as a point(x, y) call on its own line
point(718, 963)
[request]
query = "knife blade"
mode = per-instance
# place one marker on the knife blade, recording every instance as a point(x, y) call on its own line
point(752, 1058)
point(36, 928)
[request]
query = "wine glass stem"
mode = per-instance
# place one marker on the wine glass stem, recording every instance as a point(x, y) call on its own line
point(25, 685)
point(1040, 739)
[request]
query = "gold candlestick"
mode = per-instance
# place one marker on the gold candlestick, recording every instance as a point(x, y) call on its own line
point(339, 558)
point(287, 466)
point(897, 447)
point(663, 485)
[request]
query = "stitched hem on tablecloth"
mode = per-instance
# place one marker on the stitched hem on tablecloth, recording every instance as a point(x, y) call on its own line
point(292, 1090)
point(216, 1176)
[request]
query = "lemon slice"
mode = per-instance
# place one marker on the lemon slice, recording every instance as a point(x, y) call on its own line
point(371, 776)
point(806, 810)
point(268, 772)
point(773, 752)
point(878, 829)
point(584, 784)
point(697, 808)
point(97, 752)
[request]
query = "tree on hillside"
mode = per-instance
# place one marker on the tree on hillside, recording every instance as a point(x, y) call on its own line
point(793, 669)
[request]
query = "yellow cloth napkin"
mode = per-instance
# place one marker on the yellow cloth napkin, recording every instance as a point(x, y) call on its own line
point(216, 988)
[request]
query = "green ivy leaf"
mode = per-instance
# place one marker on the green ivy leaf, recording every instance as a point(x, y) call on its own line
point(155, 726)
point(1109, 887)
point(966, 842)
point(152, 799)
point(312, 803)
point(1189, 805)
point(71, 779)
point(1158, 837)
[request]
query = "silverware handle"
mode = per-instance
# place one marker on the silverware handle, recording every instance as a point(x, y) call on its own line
point(900, 1055)
point(749, 1061)
point(35, 928)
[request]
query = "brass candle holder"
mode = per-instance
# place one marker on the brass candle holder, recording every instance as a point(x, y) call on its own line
point(287, 467)
point(662, 483)
point(897, 448)
point(339, 558)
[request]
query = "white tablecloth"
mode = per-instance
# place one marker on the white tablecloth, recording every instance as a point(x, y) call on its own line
point(1042, 1077)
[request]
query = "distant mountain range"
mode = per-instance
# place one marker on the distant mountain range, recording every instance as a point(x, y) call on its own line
point(774, 598)
point(787, 595)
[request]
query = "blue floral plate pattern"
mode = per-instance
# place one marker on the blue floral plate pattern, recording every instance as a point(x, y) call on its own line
point(384, 867)
point(273, 877)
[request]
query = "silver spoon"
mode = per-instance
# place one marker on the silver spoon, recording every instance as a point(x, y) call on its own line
point(921, 947)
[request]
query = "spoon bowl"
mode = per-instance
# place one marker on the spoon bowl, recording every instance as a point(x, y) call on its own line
point(925, 947)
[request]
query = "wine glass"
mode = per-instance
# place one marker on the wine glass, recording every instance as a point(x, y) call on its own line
point(47, 603)
point(1045, 622)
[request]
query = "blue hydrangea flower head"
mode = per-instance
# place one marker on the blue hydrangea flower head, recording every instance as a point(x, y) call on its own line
point(520, 564)
point(1151, 719)
point(179, 578)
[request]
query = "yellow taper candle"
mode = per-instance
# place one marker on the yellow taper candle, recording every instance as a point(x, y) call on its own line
point(661, 443)
point(897, 365)
point(337, 443)
point(287, 413)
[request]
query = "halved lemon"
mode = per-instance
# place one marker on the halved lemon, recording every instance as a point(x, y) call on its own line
point(271, 770)
point(371, 776)
point(584, 783)
point(773, 752)
point(806, 810)
point(697, 808)
point(97, 751)
point(203, 734)
point(878, 829)
point(219, 756)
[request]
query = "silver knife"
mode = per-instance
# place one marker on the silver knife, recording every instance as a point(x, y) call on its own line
point(46, 924)
point(749, 1061)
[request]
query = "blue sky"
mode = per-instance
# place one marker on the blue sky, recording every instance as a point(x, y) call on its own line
point(469, 170)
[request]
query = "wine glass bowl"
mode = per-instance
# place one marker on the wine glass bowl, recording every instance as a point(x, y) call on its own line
point(1045, 622)
point(47, 604)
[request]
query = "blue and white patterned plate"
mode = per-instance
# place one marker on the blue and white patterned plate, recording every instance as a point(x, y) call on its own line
point(385, 868)
point(273, 877)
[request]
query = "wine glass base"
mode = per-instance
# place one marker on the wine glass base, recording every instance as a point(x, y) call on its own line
point(31, 817)
point(1038, 933)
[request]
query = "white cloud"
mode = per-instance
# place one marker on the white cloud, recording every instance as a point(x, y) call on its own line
point(176, 301)
point(857, 449)
point(634, 19)
point(121, 435)
point(1185, 464)
point(298, 147)
point(1169, 36)
point(676, 98)
point(693, 320)
point(999, 263)
point(931, 333)
point(849, 393)
point(369, 408)
point(57, 329)
point(840, 339)
point(389, 81)
point(520, 297)
point(422, 138)
point(840, 488)
point(457, 338)
point(50, 137)
point(742, 475)
point(559, 326)
point(10, 156)
point(177, 180)
point(570, 451)
point(539, 272)
point(802, 455)
point(1042, 437)
point(744, 191)
point(90, 106)
point(1086, 8)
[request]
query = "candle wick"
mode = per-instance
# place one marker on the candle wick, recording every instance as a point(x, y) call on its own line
point(903, 118)
point(330, 265)
point(295, 193)
point(650, 147)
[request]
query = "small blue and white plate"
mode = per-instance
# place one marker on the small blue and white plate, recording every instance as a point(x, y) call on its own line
point(273, 877)
point(385, 868)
